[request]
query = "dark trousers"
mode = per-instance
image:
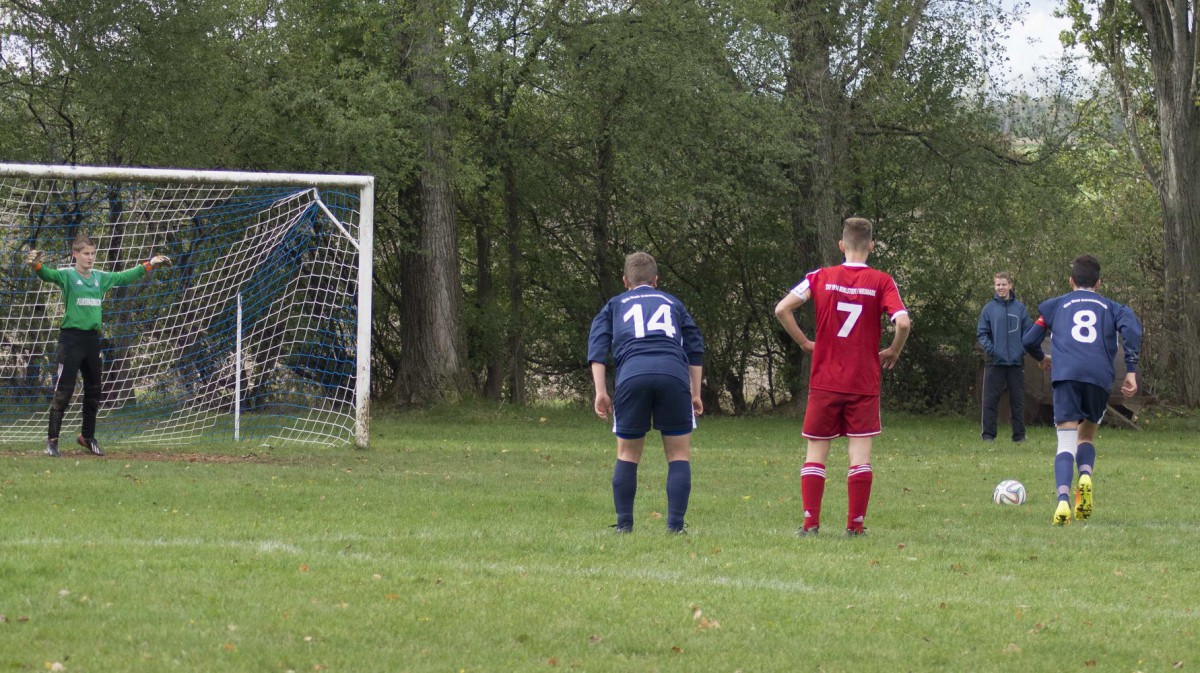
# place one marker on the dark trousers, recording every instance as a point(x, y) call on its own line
point(78, 351)
point(996, 380)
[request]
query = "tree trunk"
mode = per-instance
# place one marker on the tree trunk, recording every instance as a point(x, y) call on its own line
point(1179, 193)
point(485, 302)
point(516, 287)
point(432, 363)
point(1172, 42)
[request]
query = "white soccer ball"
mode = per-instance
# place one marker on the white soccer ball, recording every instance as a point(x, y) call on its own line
point(1009, 492)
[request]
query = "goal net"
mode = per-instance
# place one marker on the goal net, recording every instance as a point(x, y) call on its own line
point(259, 332)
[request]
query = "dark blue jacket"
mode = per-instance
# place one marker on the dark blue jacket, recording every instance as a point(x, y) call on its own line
point(1001, 325)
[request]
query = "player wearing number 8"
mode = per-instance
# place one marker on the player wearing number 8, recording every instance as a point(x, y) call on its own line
point(843, 401)
point(659, 354)
point(1084, 326)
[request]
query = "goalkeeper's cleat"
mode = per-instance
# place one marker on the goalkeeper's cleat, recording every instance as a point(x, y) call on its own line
point(52, 447)
point(808, 532)
point(1062, 515)
point(92, 446)
point(1083, 497)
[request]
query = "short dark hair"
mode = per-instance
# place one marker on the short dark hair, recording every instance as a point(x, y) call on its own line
point(640, 268)
point(857, 233)
point(1085, 271)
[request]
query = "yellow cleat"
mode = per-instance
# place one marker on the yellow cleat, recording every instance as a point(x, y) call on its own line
point(1062, 515)
point(1083, 497)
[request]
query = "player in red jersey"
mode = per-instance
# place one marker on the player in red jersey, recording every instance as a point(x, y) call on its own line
point(843, 400)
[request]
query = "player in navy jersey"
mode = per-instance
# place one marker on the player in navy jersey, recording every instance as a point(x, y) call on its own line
point(659, 354)
point(1084, 326)
point(844, 385)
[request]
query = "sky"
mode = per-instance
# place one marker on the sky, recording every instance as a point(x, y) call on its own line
point(1034, 43)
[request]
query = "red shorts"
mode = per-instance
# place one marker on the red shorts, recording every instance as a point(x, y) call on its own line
point(830, 415)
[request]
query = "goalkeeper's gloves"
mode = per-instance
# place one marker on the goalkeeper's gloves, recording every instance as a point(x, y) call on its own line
point(160, 260)
point(34, 257)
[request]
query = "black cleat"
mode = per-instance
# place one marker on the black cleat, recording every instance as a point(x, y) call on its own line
point(52, 447)
point(861, 532)
point(808, 532)
point(680, 530)
point(618, 528)
point(92, 446)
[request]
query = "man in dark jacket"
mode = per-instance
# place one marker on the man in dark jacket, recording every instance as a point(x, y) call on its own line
point(1001, 324)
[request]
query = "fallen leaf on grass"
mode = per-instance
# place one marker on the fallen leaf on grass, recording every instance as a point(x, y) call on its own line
point(595, 638)
point(1012, 648)
point(677, 649)
point(1090, 663)
point(229, 647)
point(706, 624)
point(655, 515)
point(55, 666)
point(552, 661)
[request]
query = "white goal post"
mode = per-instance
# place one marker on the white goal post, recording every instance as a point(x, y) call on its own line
point(260, 331)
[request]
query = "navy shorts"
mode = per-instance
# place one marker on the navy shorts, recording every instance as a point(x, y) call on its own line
point(1077, 401)
point(665, 399)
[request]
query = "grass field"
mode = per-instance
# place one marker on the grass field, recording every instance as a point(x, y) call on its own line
point(477, 540)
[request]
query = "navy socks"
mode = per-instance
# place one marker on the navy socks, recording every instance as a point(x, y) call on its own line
point(624, 483)
point(679, 489)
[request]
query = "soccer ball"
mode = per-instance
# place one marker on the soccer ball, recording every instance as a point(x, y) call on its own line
point(1009, 492)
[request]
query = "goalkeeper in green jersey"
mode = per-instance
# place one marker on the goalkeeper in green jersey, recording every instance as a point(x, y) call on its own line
point(83, 289)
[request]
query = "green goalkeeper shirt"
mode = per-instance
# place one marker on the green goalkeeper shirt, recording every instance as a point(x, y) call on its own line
point(84, 297)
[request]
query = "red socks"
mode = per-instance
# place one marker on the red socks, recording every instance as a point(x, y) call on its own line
point(812, 490)
point(858, 492)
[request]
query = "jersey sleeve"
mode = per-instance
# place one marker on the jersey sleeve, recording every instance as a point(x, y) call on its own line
point(983, 332)
point(123, 277)
point(49, 275)
point(1130, 328)
point(693, 341)
point(601, 335)
point(1032, 338)
point(892, 304)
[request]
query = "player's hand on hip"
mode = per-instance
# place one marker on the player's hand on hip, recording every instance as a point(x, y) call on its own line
point(33, 257)
point(603, 405)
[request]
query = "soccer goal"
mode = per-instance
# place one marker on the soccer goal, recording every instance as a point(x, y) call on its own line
point(259, 332)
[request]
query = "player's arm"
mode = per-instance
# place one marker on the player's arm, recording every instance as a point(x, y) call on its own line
point(890, 355)
point(35, 259)
point(1032, 339)
point(693, 346)
point(983, 332)
point(599, 343)
point(603, 403)
point(1130, 329)
point(785, 311)
point(695, 374)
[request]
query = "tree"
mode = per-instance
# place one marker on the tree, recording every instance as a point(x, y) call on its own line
point(1148, 47)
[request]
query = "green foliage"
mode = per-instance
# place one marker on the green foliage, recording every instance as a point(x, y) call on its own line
point(475, 538)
